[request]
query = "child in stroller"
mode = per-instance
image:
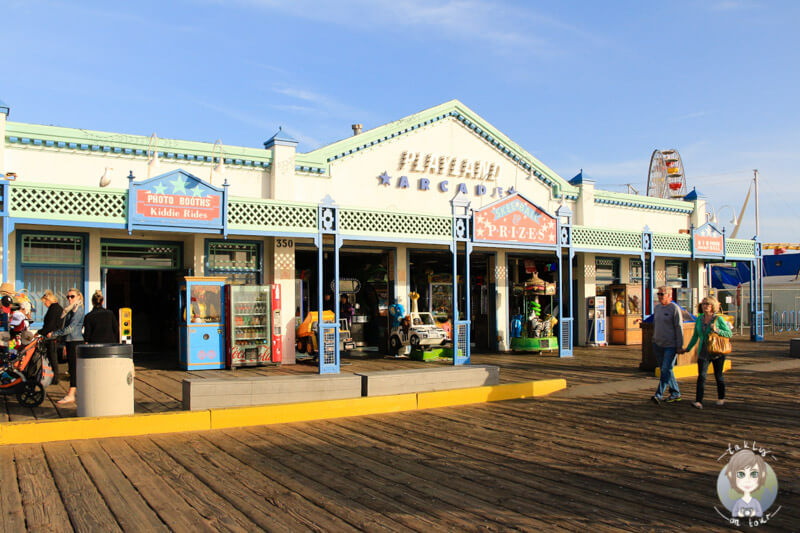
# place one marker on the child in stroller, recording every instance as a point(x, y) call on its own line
point(24, 369)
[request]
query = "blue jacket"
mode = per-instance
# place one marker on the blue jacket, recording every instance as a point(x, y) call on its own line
point(73, 325)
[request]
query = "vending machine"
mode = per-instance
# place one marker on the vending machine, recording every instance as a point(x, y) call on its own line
point(596, 308)
point(250, 319)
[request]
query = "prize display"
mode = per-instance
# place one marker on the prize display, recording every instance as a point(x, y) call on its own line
point(532, 329)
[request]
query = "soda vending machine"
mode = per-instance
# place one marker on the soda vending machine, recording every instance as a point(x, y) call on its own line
point(249, 317)
point(596, 308)
point(277, 332)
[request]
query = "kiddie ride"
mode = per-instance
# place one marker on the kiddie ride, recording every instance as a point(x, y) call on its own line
point(532, 333)
point(307, 336)
point(418, 330)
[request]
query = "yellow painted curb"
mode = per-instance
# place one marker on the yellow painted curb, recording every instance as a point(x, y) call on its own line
point(36, 431)
point(688, 371)
point(99, 427)
point(494, 393)
point(301, 412)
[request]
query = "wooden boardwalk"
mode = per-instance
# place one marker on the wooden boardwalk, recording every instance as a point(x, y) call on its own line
point(158, 382)
point(609, 463)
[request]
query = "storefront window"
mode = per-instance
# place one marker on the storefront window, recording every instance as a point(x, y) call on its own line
point(240, 262)
point(606, 273)
point(677, 276)
point(133, 254)
point(50, 262)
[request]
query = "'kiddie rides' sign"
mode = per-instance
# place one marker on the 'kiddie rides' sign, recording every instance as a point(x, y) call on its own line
point(708, 240)
point(514, 220)
point(176, 199)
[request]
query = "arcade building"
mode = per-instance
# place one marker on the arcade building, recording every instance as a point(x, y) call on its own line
point(439, 205)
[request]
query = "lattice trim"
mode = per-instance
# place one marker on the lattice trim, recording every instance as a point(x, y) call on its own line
point(396, 224)
point(596, 238)
point(43, 201)
point(664, 242)
point(245, 214)
point(740, 247)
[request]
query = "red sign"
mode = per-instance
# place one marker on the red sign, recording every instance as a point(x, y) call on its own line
point(515, 220)
point(708, 244)
point(150, 204)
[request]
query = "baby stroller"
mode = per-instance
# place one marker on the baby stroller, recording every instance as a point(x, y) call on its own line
point(25, 370)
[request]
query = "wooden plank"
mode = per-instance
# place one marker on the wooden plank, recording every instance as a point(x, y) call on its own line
point(157, 491)
point(265, 502)
point(130, 510)
point(402, 493)
point(84, 505)
point(354, 505)
point(208, 504)
point(11, 516)
point(41, 501)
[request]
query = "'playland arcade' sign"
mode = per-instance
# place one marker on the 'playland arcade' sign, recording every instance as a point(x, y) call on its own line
point(514, 220)
point(177, 199)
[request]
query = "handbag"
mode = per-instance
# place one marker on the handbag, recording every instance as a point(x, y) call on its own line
point(718, 345)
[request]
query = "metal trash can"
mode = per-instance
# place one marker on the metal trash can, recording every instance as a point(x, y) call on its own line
point(104, 379)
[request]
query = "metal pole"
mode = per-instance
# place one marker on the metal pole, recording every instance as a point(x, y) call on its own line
point(755, 179)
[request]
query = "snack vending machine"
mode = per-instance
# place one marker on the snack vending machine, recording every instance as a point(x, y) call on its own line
point(596, 307)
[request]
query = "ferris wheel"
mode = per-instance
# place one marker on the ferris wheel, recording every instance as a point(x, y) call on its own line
point(666, 178)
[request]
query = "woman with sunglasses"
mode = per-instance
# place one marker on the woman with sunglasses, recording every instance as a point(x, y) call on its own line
point(710, 321)
point(73, 332)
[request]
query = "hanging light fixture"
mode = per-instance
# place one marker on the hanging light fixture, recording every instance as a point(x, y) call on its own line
point(219, 168)
point(152, 152)
point(105, 179)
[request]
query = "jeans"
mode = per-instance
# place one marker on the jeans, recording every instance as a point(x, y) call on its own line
point(665, 357)
point(702, 372)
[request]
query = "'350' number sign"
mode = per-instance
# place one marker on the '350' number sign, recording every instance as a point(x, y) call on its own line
point(284, 243)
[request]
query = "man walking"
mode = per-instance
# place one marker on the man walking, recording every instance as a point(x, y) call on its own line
point(667, 342)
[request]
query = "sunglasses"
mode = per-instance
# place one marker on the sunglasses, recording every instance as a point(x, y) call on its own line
point(661, 293)
point(71, 296)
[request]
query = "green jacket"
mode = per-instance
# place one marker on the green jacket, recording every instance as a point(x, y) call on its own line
point(700, 335)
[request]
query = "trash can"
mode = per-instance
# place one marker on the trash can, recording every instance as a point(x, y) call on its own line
point(649, 358)
point(104, 379)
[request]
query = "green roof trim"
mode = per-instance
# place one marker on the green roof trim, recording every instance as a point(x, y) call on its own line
point(642, 202)
point(57, 137)
point(452, 109)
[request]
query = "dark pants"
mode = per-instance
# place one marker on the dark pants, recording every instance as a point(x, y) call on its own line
point(702, 371)
point(72, 358)
point(52, 356)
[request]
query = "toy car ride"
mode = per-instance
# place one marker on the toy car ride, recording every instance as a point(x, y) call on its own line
point(416, 330)
point(307, 338)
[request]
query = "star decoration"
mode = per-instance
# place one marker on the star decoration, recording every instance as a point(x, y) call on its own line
point(160, 188)
point(197, 192)
point(385, 178)
point(178, 186)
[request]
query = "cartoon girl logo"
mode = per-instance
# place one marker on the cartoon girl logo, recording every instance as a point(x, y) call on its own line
point(747, 486)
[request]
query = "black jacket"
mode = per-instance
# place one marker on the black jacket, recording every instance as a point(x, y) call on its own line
point(100, 326)
point(52, 319)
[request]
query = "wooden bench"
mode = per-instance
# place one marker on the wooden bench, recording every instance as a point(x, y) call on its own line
point(211, 393)
point(382, 383)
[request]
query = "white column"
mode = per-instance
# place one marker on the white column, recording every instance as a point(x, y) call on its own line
point(585, 273)
point(501, 300)
point(401, 277)
point(93, 268)
point(283, 272)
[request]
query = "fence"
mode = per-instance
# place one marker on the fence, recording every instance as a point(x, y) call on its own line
point(781, 308)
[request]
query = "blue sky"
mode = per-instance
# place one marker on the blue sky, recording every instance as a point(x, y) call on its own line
point(592, 85)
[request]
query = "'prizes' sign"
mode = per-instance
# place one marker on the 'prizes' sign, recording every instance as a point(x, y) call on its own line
point(514, 220)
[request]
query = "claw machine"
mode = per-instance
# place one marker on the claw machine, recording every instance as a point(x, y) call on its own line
point(202, 325)
point(253, 325)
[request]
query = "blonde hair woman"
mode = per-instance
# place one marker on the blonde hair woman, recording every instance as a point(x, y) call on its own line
point(51, 323)
point(710, 321)
point(73, 334)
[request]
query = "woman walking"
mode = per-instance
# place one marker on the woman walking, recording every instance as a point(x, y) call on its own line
point(710, 321)
point(100, 325)
point(52, 322)
point(73, 333)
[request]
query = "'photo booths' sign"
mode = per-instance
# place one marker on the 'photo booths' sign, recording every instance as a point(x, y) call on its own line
point(177, 199)
point(708, 240)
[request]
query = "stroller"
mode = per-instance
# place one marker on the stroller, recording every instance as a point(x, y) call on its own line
point(25, 370)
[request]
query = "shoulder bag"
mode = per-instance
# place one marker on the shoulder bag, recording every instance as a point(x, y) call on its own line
point(717, 344)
